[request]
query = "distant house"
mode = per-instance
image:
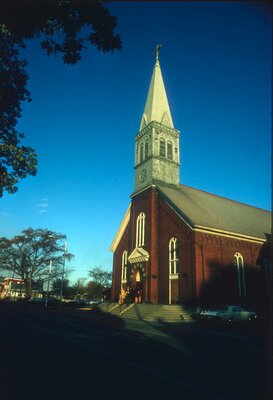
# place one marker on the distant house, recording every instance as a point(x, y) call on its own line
point(178, 244)
point(12, 288)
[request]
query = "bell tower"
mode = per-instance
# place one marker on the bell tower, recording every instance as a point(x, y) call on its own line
point(157, 156)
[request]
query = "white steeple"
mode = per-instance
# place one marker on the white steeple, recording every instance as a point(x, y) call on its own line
point(157, 142)
point(157, 106)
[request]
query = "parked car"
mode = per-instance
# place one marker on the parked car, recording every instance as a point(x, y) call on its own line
point(94, 302)
point(77, 303)
point(86, 302)
point(81, 302)
point(42, 301)
point(37, 300)
point(227, 313)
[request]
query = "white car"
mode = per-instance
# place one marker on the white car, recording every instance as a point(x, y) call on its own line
point(227, 313)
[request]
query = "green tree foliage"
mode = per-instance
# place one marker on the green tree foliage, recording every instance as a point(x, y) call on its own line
point(16, 161)
point(100, 283)
point(80, 288)
point(101, 277)
point(29, 255)
point(63, 27)
point(94, 291)
point(68, 291)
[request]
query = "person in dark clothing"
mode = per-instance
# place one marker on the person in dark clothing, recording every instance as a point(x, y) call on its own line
point(128, 296)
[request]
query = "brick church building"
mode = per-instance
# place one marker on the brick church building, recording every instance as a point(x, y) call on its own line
point(179, 244)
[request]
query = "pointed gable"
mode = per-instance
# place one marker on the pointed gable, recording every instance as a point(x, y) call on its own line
point(138, 255)
point(157, 106)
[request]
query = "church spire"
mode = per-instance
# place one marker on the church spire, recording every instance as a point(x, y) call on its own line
point(157, 143)
point(157, 106)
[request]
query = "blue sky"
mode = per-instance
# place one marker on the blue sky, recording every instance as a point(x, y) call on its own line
point(216, 65)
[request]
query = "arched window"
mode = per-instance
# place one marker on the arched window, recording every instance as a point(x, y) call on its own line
point(169, 150)
point(140, 230)
point(141, 152)
point(239, 263)
point(124, 267)
point(146, 150)
point(173, 257)
point(162, 148)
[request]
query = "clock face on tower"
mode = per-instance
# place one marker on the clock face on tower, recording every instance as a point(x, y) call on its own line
point(142, 175)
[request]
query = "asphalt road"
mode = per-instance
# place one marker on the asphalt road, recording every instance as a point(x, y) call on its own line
point(47, 354)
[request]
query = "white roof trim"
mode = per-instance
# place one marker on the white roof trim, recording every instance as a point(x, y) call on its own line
point(121, 230)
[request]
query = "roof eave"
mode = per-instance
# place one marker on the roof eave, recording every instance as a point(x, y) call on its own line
point(199, 228)
point(121, 229)
point(233, 235)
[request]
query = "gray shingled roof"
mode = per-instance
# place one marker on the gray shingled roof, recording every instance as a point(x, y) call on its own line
point(204, 209)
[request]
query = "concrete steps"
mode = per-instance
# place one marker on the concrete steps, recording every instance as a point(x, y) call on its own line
point(148, 312)
point(158, 312)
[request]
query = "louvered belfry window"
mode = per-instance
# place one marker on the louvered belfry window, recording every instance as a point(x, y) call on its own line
point(146, 150)
point(169, 150)
point(141, 152)
point(162, 148)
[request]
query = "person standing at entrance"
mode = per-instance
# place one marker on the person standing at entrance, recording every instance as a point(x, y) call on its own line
point(127, 299)
point(138, 297)
point(122, 296)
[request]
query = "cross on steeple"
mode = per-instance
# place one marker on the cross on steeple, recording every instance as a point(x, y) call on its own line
point(158, 46)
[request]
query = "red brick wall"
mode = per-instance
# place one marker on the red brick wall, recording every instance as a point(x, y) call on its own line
point(154, 246)
point(206, 261)
point(117, 263)
point(171, 225)
point(142, 203)
point(216, 274)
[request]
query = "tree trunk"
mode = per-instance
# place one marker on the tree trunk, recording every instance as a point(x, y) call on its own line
point(27, 283)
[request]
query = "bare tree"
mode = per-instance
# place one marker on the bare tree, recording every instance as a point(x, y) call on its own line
point(35, 254)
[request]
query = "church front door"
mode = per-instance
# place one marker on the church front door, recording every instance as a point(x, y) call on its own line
point(138, 273)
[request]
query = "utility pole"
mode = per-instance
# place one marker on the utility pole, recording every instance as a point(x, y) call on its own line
point(62, 280)
point(50, 268)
